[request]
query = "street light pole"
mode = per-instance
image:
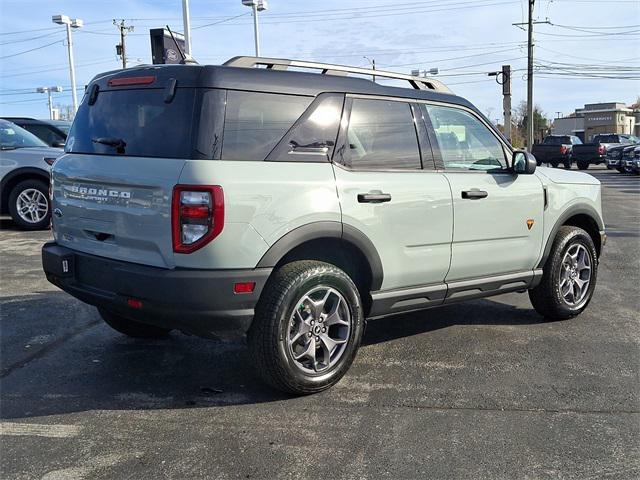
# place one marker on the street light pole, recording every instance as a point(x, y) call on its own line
point(186, 21)
point(49, 91)
point(69, 23)
point(256, 6)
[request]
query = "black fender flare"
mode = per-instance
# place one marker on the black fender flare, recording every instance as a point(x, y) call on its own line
point(318, 231)
point(567, 214)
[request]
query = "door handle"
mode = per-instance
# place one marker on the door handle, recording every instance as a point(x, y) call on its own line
point(374, 197)
point(474, 194)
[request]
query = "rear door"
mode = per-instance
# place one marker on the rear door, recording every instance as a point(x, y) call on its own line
point(498, 215)
point(384, 192)
point(113, 188)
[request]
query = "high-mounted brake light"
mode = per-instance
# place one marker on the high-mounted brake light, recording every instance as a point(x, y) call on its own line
point(197, 216)
point(120, 82)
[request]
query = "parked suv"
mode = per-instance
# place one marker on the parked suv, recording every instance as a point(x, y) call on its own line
point(294, 206)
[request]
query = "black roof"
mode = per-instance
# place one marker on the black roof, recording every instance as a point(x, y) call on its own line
point(268, 80)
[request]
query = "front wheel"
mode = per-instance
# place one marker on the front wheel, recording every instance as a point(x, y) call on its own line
point(569, 277)
point(29, 205)
point(307, 327)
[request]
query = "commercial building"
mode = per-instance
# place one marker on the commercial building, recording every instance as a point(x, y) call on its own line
point(595, 118)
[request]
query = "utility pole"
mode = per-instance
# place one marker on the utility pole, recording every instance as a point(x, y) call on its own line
point(121, 49)
point(373, 65)
point(530, 77)
point(70, 23)
point(504, 78)
point(186, 21)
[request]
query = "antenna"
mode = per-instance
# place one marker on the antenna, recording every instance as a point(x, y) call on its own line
point(176, 44)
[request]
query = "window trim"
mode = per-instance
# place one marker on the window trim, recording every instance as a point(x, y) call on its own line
point(440, 166)
point(344, 128)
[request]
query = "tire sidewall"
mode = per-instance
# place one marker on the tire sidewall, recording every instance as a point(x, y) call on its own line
point(334, 278)
point(577, 236)
point(13, 208)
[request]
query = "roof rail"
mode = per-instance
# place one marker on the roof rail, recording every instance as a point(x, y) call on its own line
point(420, 83)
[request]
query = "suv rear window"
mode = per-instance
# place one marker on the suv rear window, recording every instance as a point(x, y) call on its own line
point(607, 139)
point(147, 125)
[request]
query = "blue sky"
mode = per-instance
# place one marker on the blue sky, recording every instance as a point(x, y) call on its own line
point(465, 39)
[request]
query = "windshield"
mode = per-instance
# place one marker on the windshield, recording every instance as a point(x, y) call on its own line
point(557, 141)
point(135, 122)
point(12, 136)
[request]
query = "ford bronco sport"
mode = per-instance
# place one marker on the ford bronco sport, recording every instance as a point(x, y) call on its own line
point(292, 206)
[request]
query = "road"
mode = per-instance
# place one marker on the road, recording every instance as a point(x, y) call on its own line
point(478, 390)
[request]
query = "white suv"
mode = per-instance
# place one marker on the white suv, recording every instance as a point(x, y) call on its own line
point(294, 206)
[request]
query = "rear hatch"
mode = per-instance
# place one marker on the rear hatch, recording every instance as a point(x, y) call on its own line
point(125, 151)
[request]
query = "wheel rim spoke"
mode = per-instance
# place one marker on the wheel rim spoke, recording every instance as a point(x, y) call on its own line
point(575, 275)
point(319, 329)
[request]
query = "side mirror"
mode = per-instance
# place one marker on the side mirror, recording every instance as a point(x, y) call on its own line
point(523, 162)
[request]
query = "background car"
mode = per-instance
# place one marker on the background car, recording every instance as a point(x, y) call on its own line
point(556, 150)
point(25, 161)
point(51, 132)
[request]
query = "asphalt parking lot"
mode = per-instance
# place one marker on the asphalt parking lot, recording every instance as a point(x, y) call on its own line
point(478, 390)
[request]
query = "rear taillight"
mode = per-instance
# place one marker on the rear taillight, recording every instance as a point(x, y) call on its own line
point(563, 149)
point(601, 150)
point(197, 216)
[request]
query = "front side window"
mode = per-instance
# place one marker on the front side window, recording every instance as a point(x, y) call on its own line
point(12, 137)
point(255, 122)
point(381, 136)
point(464, 141)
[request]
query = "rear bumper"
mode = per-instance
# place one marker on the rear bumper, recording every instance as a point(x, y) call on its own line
point(200, 302)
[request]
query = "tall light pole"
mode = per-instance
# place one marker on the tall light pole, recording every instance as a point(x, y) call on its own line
point(256, 6)
point(187, 26)
point(70, 23)
point(48, 91)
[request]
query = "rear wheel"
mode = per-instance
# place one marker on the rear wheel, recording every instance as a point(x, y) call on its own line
point(583, 165)
point(307, 327)
point(131, 328)
point(29, 204)
point(555, 163)
point(569, 277)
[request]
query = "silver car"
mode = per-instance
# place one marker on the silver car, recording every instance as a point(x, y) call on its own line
point(25, 161)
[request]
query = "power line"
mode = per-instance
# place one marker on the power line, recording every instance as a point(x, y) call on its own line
point(31, 49)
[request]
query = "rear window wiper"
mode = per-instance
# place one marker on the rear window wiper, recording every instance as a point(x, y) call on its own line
point(118, 143)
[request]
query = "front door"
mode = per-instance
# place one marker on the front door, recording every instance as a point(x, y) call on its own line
point(384, 192)
point(498, 215)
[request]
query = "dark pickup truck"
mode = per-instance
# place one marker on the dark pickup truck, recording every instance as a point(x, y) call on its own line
point(596, 151)
point(556, 150)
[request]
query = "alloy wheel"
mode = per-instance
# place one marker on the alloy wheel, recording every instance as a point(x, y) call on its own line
point(32, 205)
point(319, 329)
point(575, 276)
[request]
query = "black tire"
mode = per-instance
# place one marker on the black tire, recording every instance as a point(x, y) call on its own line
point(132, 328)
point(555, 163)
point(546, 297)
point(583, 165)
point(24, 186)
point(268, 335)
point(567, 164)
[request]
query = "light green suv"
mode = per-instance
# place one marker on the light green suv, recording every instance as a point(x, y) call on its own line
point(294, 206)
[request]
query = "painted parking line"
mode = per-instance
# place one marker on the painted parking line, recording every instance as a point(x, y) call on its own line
point(39, 430)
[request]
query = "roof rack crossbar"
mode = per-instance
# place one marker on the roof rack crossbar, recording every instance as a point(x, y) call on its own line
point(419, 83)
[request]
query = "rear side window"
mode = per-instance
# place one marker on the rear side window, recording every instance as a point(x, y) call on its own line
point(556, 140)
point(255, 122)
point(146, 125)
point(381, 136)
